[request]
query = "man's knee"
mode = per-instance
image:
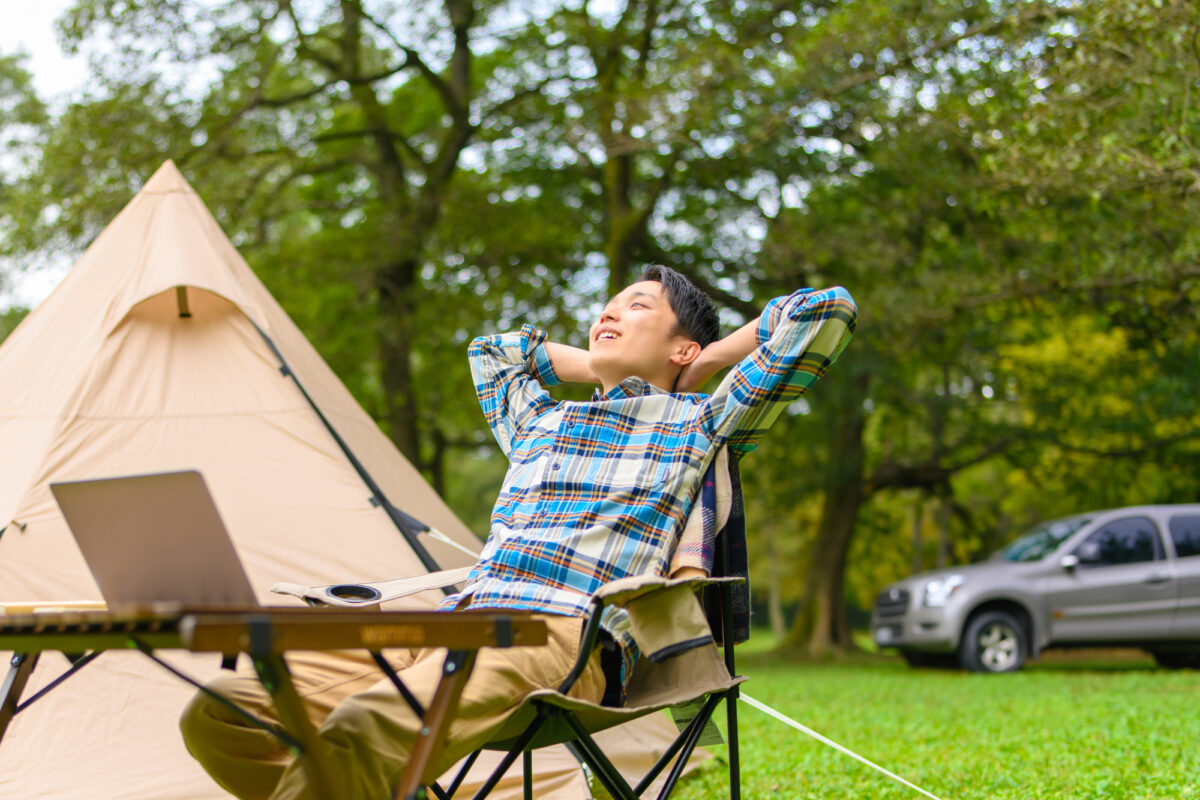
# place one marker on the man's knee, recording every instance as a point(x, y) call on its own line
point(200, 721)
point(205, 721)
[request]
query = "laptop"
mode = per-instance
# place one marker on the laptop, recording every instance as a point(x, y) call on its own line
point(155, 539)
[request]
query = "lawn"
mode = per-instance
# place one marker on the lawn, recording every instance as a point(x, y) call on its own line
point(1088, 727)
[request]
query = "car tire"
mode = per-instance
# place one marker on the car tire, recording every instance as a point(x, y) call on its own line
point(1177, 659)
point(994, 641)
point(917, 658)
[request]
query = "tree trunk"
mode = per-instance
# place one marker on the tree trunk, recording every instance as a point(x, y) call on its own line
point(943, 528)
point(821, 625)
point(621, 228)
point(918, 512)
point(395, 285)
point(774, 594)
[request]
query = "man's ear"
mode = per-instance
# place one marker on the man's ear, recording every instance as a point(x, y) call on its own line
point(686, 354)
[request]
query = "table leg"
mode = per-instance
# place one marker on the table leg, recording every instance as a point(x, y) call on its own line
point(273, 672)
point(435, 724)
point(20, 668)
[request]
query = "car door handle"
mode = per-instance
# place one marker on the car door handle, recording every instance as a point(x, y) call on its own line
point(1158, 578)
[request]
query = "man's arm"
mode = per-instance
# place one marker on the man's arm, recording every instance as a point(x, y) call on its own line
point(719, 355)
point(509, 371)
point(570, 363)
point(797, 338)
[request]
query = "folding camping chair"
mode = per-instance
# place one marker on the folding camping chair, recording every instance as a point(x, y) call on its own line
point(681, 668)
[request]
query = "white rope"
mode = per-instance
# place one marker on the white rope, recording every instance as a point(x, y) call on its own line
point(810, 732)
point(436, 535)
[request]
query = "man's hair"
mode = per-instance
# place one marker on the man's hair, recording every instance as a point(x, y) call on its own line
point(695, 312)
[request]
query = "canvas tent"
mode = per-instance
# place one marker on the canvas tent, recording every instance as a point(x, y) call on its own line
point(160, 351)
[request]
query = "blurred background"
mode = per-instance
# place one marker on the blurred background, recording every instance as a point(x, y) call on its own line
point(1009, 188)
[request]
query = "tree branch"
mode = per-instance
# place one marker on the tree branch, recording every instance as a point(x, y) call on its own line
point(529, 91)
point(413, 59)
point(280, 102)
point(932, 474)
point(1054, 287)
point(1150, 446)
point(747, 308)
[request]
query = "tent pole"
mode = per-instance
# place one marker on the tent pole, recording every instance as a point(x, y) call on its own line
point(408, 525)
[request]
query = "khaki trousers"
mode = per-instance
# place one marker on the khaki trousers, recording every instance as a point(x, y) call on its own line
point(363, 722)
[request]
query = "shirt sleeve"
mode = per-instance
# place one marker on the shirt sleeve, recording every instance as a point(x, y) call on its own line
point(510, 370)
point(799, 336)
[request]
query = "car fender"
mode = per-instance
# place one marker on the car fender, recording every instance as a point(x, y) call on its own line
point(1027, 604)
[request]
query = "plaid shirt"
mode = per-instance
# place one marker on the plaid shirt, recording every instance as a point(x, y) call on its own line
point(599, 490)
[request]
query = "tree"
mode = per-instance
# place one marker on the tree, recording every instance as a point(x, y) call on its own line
point(982, 177)
point(326, 135)
point(22, 117)
point(973, 271)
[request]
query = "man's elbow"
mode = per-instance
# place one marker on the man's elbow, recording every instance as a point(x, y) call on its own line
point(477, 345)
point(839, 304)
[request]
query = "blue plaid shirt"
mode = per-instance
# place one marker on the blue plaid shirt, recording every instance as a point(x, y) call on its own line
point(599, 490)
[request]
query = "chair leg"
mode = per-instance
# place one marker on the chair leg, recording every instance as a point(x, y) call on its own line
point(527, 773)
point(585, 748)
point(700, 720)
point(735, 772)
point(511, 756)
point(692, 736)
point(452, 789)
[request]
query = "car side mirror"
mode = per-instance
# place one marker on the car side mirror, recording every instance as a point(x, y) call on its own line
point(1069, 562)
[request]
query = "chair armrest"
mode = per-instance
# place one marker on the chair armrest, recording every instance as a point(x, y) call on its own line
point(623, 591)
point(664, 615)
point(359, 595)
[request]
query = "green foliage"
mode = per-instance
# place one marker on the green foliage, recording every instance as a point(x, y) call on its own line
point(1007, 188)
point(9, 320)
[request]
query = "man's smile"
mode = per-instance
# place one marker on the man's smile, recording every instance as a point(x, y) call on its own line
point(607, 334)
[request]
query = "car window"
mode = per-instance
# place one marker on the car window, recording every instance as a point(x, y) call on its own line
point(1185, 533)
point(1043, 540)
point(1122, 541)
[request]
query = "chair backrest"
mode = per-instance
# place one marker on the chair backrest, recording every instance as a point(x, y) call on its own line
point(729, 560)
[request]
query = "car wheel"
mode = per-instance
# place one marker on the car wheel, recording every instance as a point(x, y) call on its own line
point(993, 642)
point(1176, 659)
point(916, 658)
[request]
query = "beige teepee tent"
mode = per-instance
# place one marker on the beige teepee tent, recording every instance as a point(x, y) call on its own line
point(160, 351)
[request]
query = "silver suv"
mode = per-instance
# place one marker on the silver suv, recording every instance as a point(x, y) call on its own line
point(1128, 576)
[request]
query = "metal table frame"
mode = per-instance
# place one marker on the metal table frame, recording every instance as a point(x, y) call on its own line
point(266, 635)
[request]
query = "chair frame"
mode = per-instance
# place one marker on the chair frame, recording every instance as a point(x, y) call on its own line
point(720, 618)
point(585, 748)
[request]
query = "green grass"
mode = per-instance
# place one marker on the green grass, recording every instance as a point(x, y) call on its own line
point(1092, 727)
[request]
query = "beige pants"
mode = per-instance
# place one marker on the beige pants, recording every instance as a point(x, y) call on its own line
point(366, 726)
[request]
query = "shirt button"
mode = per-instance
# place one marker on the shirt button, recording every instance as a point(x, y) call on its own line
point(556, 466)
point(571, 424)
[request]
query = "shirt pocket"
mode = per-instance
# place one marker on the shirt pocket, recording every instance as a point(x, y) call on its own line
point(636, 472)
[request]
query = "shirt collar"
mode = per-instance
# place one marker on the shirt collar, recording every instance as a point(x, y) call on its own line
point(632, 386)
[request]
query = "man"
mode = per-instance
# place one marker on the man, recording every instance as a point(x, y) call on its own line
point(595, 491)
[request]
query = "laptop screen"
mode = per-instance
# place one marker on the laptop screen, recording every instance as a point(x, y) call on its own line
point(155, 539)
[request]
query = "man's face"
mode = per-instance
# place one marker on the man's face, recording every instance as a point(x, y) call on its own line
point(636, 335)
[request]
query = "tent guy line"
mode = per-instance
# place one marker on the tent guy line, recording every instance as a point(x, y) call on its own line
point(106, 378)
point(408, 525)
point(438, 536)
point(786, 720)
point(761, 706)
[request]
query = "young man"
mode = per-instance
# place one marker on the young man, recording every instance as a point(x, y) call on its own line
point(595, 491)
